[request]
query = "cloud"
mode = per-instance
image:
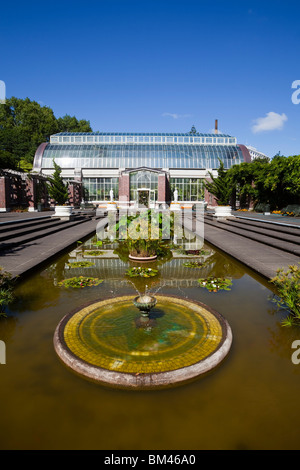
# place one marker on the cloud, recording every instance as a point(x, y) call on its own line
point(177, 116)
point(271, 122)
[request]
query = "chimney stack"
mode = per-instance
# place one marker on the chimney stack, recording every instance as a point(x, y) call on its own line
point(216, 126)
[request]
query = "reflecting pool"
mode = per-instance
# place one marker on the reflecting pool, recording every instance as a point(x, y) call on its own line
point(250, 401)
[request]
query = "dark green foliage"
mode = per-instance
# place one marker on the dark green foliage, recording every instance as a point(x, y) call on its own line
point(71, 124)
point(24, 125)
point(81, 264)
point(274, 184)
point(141, 272)
point(144, 244)
point(80, 282)
point(6, 290)
point(93, 253)
point(214, 284)
point(221, 186)
point(57, 189)
point(287, 284)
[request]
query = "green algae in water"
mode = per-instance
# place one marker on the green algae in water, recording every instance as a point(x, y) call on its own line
point(177, 334)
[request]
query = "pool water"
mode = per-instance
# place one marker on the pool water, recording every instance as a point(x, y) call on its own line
point(250, 401)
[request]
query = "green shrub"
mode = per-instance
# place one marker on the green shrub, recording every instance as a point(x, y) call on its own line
point(287, 284)
point(6, 290)
point(57, 188)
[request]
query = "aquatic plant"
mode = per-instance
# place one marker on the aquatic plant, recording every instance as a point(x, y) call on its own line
point(214, 284)
point(81, 264)
point(287, 284)
point(6, 290)
point(141, 272)
point(98, 243)
point(195, 264)
point(79, 282)
point(94, 253)
point(193, 252)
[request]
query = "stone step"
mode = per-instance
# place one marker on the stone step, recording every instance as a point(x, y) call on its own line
point(21, 240)
point(30, 222)
point(268, 225)
point(273, 232)
point(24, 229)
point(282, 245)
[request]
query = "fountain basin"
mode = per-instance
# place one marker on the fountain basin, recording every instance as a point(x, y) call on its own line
point(144, 303)
point(101, 342)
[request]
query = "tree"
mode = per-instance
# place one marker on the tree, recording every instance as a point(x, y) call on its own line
point(221, 186)
point(24, 125)
point(57, 188)
point(247, 180)
point(275, 183)
point(71, 124)
point(292, 177)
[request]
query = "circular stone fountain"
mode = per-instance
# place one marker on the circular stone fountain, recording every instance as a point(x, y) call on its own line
point(171, 342)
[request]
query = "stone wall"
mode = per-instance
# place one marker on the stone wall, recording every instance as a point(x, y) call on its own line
point(21, 191)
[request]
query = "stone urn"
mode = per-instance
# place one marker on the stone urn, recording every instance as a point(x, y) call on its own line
point(64, 212)
point(221, 212)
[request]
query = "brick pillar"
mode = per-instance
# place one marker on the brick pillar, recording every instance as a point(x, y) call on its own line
point(71, 190)
point(75, 194)
point(31, 194)
point(210, 198)
point(4, 194)
point(124, 189)
point(162, 189)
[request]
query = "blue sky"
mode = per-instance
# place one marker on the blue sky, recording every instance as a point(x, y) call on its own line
point(160, 65)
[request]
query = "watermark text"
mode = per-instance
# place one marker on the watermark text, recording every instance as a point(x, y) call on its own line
point(296, 94)
point(2, 352)
point(2, 92)
point(296, 354)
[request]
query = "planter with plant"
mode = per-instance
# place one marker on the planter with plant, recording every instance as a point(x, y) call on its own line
point(58, 191)
point(145, 237)
point(222, 189)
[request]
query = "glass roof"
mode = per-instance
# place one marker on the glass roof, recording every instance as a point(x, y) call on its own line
point(186, 134)
point(134, 156)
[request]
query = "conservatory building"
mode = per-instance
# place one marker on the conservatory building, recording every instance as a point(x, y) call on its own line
point(140, 168)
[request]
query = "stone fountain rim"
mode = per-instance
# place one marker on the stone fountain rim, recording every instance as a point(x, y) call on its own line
point(145, 381)
point(142, 258)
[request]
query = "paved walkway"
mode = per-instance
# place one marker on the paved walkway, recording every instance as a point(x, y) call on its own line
point(275, 218)
point(261, 258)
